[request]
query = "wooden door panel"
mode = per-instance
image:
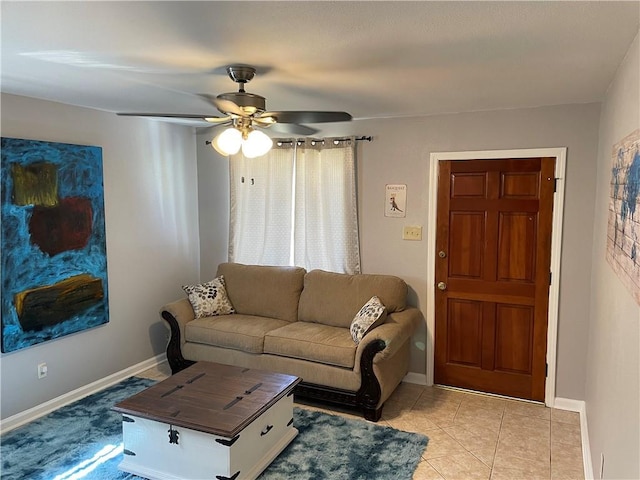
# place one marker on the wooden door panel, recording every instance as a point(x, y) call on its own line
point(518, 185)
point(494, 232)
point(516, 246)
point(469, 185)
point(469, 257)
point(465, 332)
point(474, 378)
point(494, 205)
point(517, 292)
point(484, 166)
point(514, 335)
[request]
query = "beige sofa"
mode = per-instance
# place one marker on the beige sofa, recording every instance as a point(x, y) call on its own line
point(297, 322)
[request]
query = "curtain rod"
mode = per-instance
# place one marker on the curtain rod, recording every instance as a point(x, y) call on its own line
point(357, 139)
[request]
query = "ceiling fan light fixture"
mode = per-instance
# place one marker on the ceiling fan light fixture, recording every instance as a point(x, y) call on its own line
point(253, 144)
point(256, 144)
point(228, 142)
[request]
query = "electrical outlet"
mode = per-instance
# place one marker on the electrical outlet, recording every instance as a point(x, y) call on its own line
point(42, 370)
point(602, 465)
point(412, 233)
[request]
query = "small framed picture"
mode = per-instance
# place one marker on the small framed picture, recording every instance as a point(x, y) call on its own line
point(395, 201)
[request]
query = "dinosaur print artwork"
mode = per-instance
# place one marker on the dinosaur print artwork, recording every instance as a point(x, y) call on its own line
point(395, 201)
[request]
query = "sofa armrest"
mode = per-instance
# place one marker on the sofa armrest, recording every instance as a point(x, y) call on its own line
point(398, 327)
point(181, 310)
point(176, 316)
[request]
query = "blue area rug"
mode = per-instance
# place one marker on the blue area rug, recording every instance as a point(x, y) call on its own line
point(84, 441)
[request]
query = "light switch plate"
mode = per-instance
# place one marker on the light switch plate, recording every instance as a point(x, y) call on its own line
point(412, 232)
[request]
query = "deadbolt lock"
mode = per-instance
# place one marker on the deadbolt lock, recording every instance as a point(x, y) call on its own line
point(441, 254)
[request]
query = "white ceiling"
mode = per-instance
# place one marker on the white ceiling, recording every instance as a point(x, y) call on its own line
point(372, 59)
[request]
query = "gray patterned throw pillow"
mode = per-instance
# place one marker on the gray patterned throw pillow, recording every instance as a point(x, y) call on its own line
point(372, 314)
point(209, 299)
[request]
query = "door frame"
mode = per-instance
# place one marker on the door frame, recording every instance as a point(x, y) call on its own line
point(560, 154)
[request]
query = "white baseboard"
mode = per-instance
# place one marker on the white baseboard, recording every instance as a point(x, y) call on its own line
point(568, 404)
point(416, 378)
point(38, 411)
point(580, 407)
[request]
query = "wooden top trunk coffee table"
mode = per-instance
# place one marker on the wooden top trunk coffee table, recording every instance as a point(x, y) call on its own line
point(208, 421)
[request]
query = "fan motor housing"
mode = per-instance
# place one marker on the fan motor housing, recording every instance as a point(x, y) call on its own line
point(248, 101)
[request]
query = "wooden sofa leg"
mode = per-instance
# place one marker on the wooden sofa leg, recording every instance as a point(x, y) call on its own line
point(372, 414)
point(174, 355)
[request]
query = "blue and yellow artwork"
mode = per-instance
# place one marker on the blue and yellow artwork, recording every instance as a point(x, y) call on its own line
point(623, 230)
point(54, 256)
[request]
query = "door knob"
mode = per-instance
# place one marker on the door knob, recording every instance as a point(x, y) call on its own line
point(442, 285)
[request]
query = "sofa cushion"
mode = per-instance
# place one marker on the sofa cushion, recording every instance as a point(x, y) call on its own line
point(209, 298)
point(263, 290)
point(314, 342)
point(239, 332)
point(335, 298)
point(372, 314)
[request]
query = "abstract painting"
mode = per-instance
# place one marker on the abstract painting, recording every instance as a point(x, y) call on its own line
point(623, 230)
point(54, 258)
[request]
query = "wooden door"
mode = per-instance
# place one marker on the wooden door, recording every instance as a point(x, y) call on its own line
point(493, 274)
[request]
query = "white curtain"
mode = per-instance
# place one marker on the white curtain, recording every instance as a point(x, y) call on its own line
point(326, 218)
point(297, 206)
point(261, 208)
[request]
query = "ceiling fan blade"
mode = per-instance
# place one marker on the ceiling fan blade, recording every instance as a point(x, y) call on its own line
point(205, 118)
point(264, 121)
point(308, 117)
point(201, 130)
point(225, 106)
point(292, 129)
point(219, 120)
point(167, 115)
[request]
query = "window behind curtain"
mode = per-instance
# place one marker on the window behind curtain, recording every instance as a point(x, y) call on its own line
point(261, 204)
point(296, 206)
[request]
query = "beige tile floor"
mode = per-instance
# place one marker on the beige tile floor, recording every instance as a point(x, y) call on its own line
point(481, 437)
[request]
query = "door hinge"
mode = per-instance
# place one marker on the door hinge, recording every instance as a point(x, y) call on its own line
point(546, 370)
point(550, 276)
point(555, 185)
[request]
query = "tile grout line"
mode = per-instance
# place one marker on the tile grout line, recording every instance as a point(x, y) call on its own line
point(550, 453)
point(463, 446)
point(495, 452)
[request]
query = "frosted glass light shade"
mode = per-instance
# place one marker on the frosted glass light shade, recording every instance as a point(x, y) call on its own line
point(228, 142)
point(256, 144)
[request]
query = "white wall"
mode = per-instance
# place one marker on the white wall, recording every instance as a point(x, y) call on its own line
point(613, 364)
point(152, 244)
point(213, 198)
point(400, 154)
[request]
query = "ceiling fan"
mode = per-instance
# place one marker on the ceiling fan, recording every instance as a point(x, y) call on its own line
point(246, 112)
